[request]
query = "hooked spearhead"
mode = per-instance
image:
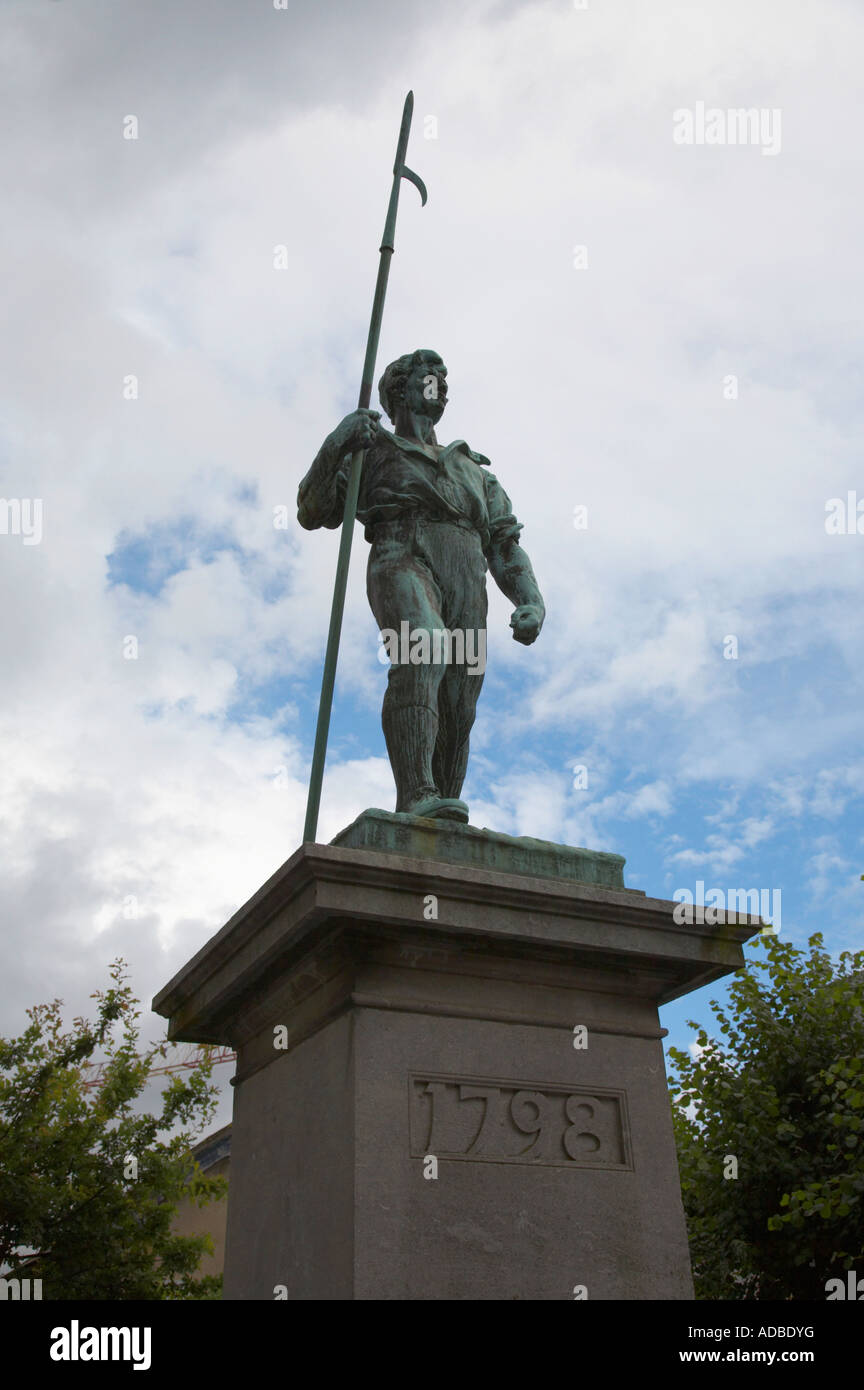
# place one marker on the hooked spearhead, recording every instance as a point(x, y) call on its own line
point(400, 168)
point(401, 171)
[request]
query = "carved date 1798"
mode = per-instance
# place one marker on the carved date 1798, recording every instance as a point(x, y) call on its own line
point(481, 1119)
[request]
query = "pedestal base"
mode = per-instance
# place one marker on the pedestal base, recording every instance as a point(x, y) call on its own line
point(450, 1080)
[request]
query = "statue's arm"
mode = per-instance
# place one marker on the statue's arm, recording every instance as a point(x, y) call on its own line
point(321, 495)
point(510, 566)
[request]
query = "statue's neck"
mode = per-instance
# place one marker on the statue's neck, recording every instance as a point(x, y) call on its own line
point(419, 427)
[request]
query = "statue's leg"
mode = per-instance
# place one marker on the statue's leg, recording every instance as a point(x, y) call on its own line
point(457, 703)
point(460, 568)
point(402, 589)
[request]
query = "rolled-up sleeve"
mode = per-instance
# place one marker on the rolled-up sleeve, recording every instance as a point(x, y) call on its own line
point(503, 525)
point(321, 495)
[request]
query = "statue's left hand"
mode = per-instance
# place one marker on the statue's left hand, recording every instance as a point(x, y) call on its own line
point(526, 623)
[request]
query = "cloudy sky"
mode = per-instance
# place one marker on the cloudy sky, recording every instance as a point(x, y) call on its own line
point(666, 334)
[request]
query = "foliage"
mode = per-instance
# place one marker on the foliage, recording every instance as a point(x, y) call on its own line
point(88, 1184)
point(781, 1092)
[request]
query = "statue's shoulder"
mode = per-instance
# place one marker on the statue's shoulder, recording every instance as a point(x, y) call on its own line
point(472, 453)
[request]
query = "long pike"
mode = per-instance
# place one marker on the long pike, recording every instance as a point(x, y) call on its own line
point(400, 172)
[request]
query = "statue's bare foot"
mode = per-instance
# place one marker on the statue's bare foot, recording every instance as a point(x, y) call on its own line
point(439, 808)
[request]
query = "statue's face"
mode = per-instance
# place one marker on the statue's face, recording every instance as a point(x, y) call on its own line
point(426, 389)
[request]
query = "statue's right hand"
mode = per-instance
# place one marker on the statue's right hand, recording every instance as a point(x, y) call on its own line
point(357, 431)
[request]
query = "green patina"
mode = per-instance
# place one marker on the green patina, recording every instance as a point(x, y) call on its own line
point(424, 838)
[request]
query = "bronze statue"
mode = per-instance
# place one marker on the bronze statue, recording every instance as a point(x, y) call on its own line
point(436, 518)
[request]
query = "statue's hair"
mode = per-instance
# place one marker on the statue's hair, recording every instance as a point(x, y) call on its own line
point(391, 387)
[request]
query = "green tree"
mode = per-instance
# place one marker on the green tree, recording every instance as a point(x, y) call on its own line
point(88, 1185)
point(781, 1093)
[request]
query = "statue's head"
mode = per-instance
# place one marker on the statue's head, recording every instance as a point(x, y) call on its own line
point(417, 381)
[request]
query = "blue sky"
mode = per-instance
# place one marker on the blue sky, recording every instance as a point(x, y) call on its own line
point(176, 777)
point(792, 835)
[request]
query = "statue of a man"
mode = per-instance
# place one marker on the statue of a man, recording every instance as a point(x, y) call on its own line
point(436, 518)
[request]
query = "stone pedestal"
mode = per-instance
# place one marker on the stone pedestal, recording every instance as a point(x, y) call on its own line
point(450, 1079)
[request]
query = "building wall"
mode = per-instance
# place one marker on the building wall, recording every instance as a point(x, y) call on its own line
point(214, 1156)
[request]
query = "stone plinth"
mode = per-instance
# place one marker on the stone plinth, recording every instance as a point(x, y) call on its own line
point(392, 832)
point(412, 1119)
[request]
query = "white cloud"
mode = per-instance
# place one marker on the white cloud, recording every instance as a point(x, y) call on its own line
point(156, 778)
